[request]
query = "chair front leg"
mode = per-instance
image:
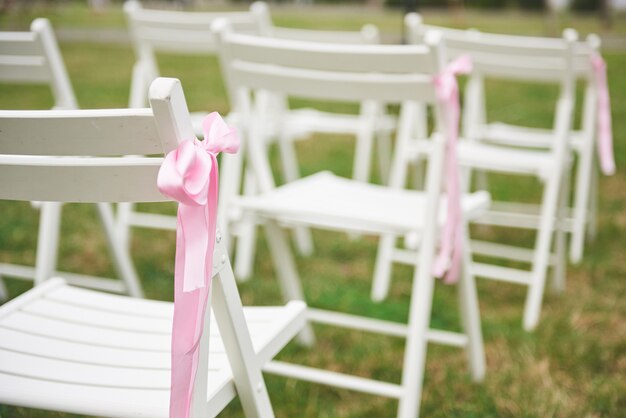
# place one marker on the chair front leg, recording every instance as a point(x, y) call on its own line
point(286, 272)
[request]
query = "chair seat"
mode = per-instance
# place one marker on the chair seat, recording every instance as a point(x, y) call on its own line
point(76, 350)
point(505, 159)
point(326, 200)
point(521, 136)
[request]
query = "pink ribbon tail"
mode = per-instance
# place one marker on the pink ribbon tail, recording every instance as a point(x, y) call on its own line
point(189, 175)
point(605, 130)
point(448, 262)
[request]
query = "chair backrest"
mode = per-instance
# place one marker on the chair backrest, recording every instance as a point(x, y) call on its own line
point(34, 58)
point(180, 32)
point(416, 28)
point(387, 74)
point(368, 34)
point(174, 32)
point(522, 58)
point(78, 155)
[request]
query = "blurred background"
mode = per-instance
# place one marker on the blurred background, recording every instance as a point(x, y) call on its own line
point(573, 365)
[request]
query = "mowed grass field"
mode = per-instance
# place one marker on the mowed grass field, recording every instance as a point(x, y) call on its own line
point(573, 365)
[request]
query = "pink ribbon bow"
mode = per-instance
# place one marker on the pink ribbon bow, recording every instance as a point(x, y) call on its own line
point(448, 262)
point(189, 175)
point(605, 132)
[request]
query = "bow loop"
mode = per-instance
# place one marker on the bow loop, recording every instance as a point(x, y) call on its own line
point(184, 174)
point(218, 136)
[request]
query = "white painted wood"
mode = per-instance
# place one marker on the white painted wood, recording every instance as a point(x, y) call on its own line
point(155, 31)
point(34, 57)
point(517, 150)
point(326, 201)
point(581, 139)
point(80, 351)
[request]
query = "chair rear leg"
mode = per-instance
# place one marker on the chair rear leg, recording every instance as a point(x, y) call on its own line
point(383, 268)
point(560, 267)
point(470, 315)
point(543, 244)
point(48, 241)
point(582, 193)
point(286, 272)
point(122, 223)
point(121, 256)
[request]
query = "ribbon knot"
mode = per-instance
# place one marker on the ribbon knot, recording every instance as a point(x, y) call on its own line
point(605, 132)
point(189, 175)
point(447, 265)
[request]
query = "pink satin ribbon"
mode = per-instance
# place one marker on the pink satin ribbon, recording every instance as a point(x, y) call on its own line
point(605, 131)
point(189, 175)
point(448, 262)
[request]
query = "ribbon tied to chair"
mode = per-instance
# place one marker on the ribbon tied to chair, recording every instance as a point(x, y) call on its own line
point(448, 261)
point(605, 131)
point(189, 175)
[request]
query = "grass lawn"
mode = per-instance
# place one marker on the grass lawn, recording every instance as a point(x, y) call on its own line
point(574, 365)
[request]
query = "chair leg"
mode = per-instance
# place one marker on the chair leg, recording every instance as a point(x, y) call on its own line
point(47, 241)
point(246, 237)
point(581, 203)
point(383, 268)
point(285, 267)
point(122, 223)
point(416, 343)
point(532, 308)
point(121, 256)
point(247, 374)
point(560, 267)
point(4, 293)
point(383, 145)
point(289, 162)
point(246, 249)
point(470, 315)
point(363, 151)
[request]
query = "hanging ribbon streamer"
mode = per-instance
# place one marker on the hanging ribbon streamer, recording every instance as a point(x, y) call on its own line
point(189, 175)
point(448, 262)
point(605, 131)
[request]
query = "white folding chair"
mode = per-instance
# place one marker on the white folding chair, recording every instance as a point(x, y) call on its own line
point(34, 58)
point(154, 31)
point(582, 214)
point(81, 351)
point(371, 126)
point(517, 150)
point(349, 73)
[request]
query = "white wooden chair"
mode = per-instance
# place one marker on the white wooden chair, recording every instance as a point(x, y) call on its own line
point(155, 31)
point(81, 351)
point(518, 150)
point(386, 74)
point(582, 214)
point(34, 58)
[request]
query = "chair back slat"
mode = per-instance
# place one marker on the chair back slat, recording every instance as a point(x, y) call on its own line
point(34, 58)
point(521, 58)
point(78, 133)
point(368, 35)
point(81, 155)
point(181, 32)
point(330, 57)
point(24, 69)
point(333, 85)
point(87, 180)
point(20, 43)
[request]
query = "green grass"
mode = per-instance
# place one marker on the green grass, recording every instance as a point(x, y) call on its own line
point(574, 365)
